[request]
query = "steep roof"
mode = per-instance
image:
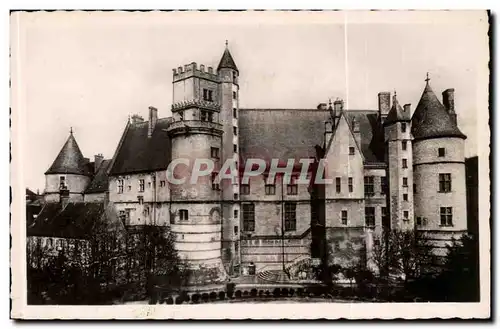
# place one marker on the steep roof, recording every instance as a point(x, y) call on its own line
point(294, 133)
point(100, 181)
point(397, 113)
point(70, 160)
point(75, 221)
point(431, 120)
point(138, 153)
point(227, 61)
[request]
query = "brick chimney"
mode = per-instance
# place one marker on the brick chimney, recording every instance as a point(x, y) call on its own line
point(384, 105)
point(153, 118)
point(449, 103)
point(98, 158)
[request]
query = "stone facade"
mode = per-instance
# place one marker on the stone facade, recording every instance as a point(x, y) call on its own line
point(379, 175)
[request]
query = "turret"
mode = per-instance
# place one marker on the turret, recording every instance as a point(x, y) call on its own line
point(228, 74)
point(439, 168)
point(69, 173)
point(399, 170)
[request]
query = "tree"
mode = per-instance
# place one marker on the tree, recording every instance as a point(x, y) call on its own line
point(405, 253)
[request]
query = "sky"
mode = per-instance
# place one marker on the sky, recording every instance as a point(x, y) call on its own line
point(90, 71)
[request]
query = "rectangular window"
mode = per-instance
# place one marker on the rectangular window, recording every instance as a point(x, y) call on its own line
point(206, 116)
point(235, 113)
point(120, 186)
point(235, 213)
point(369, 189)
point(141, 185)
point(441, 152)
point(290, 216)
point(385, 217)
point(235, 96)
point(403, 145)
point(248, 217)
point(235, 131)
point(291, 189)
point(403, 127)
point(270, 189)
point(183, 215)
point(235, 148)
point(405, 215)
point(344, 217)
point(414, 188)
point(62, 182)
point(350, 184)
point(446, 216)
point(236, 229)
point(405, 163)
point(236, 246)
point(235, 196)
point(149, 184)
point(338, 186)
point(207, 95)
point(210, 95)
point(129, 188)
point(405, 197)
point(245, 189)
point(351, 150)
point(162, 183)
point(419, 221)
point(140, 199)
point(370, 216)
point(405, 181)
point(214, 152)
point(215, 182)
point(383, 184)
point(444, 183)
point(181, 115)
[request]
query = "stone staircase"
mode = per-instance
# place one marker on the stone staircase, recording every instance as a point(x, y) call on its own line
point(273, 276)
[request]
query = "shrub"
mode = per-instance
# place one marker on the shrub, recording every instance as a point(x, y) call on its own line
point(195, 298)
point(213, 295)
point(284, 292)
point(300, 292)
point(276, 292)
point(261, 293)
point(268, 293)
point(292, 291)
point(179, 300)
point(245, 293)
point(230, 289)
point(204, 297)
point(222, 295)
point(170, 300)
point(185, 296)
point(253, 292)
point(238, 294)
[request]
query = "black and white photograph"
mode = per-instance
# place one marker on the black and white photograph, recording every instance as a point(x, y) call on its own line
point(250, 164)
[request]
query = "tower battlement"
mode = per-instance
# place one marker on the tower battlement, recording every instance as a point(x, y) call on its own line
point(190, 70)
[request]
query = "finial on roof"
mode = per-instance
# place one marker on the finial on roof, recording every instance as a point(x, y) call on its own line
point(227, 44)
point(71, 130)
point(427, 79)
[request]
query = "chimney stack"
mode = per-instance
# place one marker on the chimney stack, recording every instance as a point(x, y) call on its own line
point(153, 118)
point(338, 105)
point(384, 104)
point(407, 108)
point(321, 106)
point(449, 103)
point(357, 131)
point(98, 158)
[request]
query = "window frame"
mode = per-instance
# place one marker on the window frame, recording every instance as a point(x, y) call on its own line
point(338, 184)
point(445, 183)
point(404, 145)
point(369, 183)
point(120, 186)
point(404, 163)
point(446, 216)
point(443, 153)
point(344, 217)
point(290, 216)
point(248, 213)
point(214, 152)
point(370, 216)
point(270, 189)
point(183, 215)
point(405, 181)
point(383, 184)
point(350, 184)
point(403, 127)
point(245, 189)
point(352, 150)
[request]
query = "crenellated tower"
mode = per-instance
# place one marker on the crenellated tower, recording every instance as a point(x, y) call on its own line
point(196, 135)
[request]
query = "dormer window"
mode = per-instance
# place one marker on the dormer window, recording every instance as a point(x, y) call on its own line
point(351, 150)
point(403, 127)
point(62, 182)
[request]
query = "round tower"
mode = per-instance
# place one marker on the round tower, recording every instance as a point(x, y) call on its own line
point(439, 170)
point(228, 74)
point(69, 174)
point(196, 138)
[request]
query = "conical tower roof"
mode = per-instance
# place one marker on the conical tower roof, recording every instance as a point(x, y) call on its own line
point(70, 159)
point(397, 113)
point(227, 61)
point(431, 120)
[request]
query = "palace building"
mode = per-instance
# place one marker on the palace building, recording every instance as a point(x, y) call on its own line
point(389, 168)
